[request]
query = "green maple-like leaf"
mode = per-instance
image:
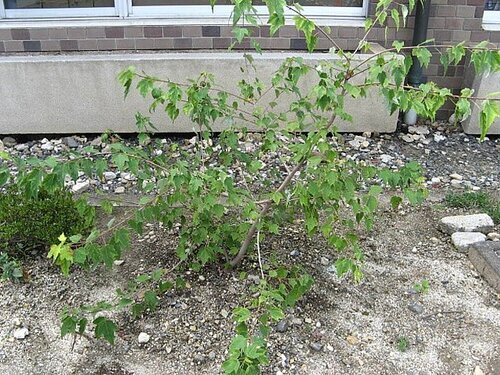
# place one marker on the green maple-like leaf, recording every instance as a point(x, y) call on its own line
point(106, 329)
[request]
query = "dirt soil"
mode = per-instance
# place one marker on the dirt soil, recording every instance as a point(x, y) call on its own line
point(338, 328)
point(357, 327)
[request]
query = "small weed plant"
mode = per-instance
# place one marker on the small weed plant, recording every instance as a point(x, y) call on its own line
point(403, 344)
point(422, 287)
point(11, 268)
point(223, 217)
point(475, 200)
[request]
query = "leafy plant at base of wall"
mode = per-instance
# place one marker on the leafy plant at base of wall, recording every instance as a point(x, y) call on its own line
point(225, 201)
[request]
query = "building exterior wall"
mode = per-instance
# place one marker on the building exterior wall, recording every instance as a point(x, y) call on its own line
point(450, 21)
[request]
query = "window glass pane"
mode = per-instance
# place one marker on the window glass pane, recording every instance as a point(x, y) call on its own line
point(51, 4)
point(338, 3)
point(492, 5)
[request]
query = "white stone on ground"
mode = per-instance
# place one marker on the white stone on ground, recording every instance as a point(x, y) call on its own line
point(80, 187)
point(47, 146)
point(456, 176)
point(109, 175)
point(21, 333)
point(494, 236)
point(143, 338)
point(462, 240)
point(467, 223)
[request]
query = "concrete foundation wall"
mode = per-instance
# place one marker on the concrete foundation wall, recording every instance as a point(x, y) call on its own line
point(80, 93)
point(482, 85)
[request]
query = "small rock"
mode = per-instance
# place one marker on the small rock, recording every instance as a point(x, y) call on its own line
point(467, 223)
point(422, 130)
point(47, 146)
point(120, 190)
point(416, 308)
point(2, 147)
point(253, 278)
point(143, 338)
point(70, 142)
point(407, 138)
point(439, 138)
point(96, 142)
point(478, 371)
point(199, 358)
point(21, 333)
point(297, 321)
point(17, 322)
point(435, 180)
point(494, 236)
point(456, 176)
point(325, 261)
point(108, 176)
point(9, 142)
point(316, 346)
point(452, 120)
point(353, 340)
point(295, 253)
point(282, 326)
point(462, 240)
point(81, 187)
point(224, 313)
point(385, 158)
point(118, 262)
point(212, 355)
point(21, 147)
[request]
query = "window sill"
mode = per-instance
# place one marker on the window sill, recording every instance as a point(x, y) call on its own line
point(491, 26)
point(165, 21)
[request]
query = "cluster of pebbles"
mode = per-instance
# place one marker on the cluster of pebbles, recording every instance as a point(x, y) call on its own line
point(449, 157)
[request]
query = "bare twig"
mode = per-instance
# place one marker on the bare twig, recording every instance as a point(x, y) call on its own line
point(258, 254)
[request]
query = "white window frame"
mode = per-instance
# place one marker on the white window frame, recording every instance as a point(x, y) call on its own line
point(123, 13)
point(36, 13)
point(491, 20)
point(187, 11)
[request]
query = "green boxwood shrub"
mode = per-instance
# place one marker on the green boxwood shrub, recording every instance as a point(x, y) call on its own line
point(35, 223)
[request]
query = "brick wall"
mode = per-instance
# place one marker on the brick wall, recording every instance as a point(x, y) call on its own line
point(450, 21)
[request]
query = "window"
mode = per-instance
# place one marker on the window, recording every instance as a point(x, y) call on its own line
point(491, 17)
point(57, 8)
point(175, 10)
point(179, 8)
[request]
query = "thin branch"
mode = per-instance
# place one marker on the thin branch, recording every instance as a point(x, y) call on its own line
point(167, 81)
point(325, 34)
point(258, 254)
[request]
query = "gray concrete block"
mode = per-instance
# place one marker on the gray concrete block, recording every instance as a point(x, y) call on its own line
point(463, 240)
point(482, 85)
point(80, 93)
point(466, 223)
point(485, 258)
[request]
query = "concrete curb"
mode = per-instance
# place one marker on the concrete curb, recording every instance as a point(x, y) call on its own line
point(484, 258)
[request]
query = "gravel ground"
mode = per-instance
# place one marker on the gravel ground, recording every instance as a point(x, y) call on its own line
point(338, 328)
